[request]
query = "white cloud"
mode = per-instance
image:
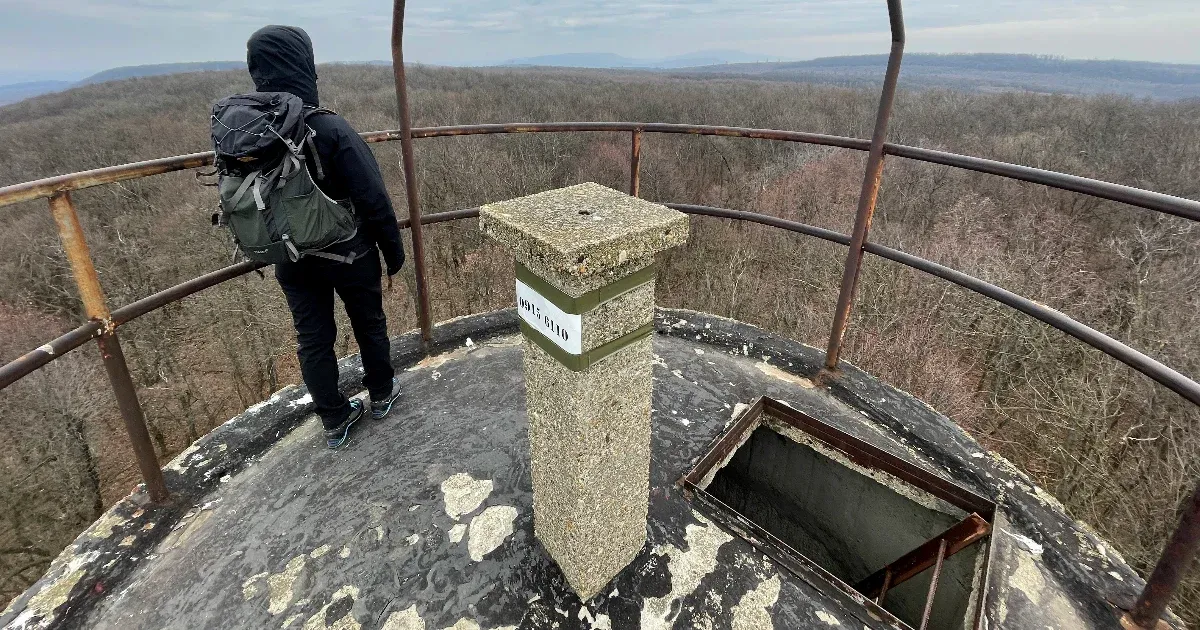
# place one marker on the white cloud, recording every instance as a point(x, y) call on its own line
point(96, 34)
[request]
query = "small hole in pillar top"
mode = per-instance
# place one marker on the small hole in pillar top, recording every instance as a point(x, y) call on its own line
point(585, 212)
point(581, 260)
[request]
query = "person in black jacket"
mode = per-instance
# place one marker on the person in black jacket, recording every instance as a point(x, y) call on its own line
point(280, 59)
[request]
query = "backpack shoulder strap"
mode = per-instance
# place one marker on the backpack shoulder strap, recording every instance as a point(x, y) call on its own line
point(308, 138)
point(313, 111)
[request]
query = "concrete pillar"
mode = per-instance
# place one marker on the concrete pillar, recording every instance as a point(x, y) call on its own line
point(585, 296)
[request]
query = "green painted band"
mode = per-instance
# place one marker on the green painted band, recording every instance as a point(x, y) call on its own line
point(587, 301)
point(581, 362)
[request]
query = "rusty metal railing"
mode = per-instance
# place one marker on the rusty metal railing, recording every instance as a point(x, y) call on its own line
point(102, 324)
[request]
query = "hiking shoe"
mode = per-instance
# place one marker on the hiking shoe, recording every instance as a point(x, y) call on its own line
point(380, 408)
point(338, 436)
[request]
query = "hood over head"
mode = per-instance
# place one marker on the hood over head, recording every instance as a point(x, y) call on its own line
point(280, 59)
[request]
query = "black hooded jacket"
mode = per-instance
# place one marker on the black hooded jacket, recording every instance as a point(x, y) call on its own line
point(280, 59)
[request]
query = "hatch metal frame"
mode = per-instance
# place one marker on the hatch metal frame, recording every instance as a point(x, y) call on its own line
point(868, 593)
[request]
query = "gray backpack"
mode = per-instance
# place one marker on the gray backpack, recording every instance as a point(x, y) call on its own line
point(276, 212)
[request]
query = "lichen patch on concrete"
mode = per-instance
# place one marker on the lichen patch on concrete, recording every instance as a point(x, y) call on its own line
point(1028, 579)
point(438, 360)
point(753, 612)
point(463, 494)
point(54, 594)
point(253, 586)
point(280, 584)
point(1025, 542)
point(104, 526)
point(598, 621)
point(787, 377)
point(828, 618)
point(489, 530)
point(347, 622)
point(687, 569)
point(180, 463)
point(407, 619)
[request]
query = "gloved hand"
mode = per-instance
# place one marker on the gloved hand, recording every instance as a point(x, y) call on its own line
point(393, 260)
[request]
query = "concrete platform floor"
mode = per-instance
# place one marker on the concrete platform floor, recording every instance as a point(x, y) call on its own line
point(425, 519)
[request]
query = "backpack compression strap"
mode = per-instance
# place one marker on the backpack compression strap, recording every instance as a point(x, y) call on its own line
point(241, 191)
point(349, 260)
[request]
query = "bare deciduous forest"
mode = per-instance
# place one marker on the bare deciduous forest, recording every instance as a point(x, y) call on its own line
point(1119, 451)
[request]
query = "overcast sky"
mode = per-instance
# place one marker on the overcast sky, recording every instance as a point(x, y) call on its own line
point(73, 38)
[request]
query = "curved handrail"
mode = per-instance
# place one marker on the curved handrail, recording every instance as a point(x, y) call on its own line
point(1160, 373)
point(1157, 371)
point(1140, 197)
point(1178, 206)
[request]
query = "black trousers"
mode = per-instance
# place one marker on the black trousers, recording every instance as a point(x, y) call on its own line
point(309, 286)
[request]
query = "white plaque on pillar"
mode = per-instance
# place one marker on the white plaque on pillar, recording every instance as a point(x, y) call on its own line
point(562, 328)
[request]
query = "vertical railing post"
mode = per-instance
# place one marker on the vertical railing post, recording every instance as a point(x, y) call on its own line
point(1176, 559)
point(84, 271)
point(635, 164)
point(410, 175)
point(870, 190)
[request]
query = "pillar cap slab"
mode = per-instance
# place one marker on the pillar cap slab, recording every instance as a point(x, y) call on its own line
point(583, 237)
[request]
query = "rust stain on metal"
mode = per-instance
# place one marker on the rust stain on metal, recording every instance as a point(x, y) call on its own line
point(933, 584)
point(635, 163)
point(131, 414)
point(41, 188)
point(76, 248)
point(1176, 558)
point(874, 588)
point(870, 190)
point(410, 175)
point(887, 584)
point(960, 536)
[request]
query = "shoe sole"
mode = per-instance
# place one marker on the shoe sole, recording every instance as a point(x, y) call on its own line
point(386, 410)
point(345, 435)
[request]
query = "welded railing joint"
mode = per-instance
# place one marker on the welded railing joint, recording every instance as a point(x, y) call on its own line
point(88, 281)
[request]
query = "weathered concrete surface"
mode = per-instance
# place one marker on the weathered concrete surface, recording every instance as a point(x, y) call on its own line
point(589, 436)
point(589, 429)
point(569, 236)
point(363, 538)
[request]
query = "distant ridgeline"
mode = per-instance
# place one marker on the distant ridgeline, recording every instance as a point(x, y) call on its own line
point(974, 73)
point(985, 72)
point(20, 91)
point(129, 72)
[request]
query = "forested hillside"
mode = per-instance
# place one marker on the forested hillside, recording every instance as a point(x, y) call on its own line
point(1117, 450)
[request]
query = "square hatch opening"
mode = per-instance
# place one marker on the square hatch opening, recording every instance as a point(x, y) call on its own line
point(825, 504)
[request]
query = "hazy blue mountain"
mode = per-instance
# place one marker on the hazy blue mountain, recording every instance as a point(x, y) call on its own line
point(985, 73)
point(21, 91)
point(973, 72)
point(129, 72)
point(610, 60)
